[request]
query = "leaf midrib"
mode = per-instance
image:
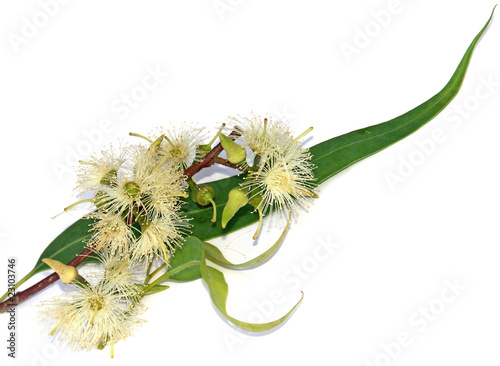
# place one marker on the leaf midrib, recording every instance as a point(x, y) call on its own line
point(40, 264)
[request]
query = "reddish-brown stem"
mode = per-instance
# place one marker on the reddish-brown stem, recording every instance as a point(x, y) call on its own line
point(224, 162)
point(206, 162)
point(26, 294)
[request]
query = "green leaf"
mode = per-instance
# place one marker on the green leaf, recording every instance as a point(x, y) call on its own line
point(191, 260)
point(218, 288)
point(330, 157)
point(338, 153)
point(155, 289)
point(184, 266)
point(68, 244)
point(215, 255)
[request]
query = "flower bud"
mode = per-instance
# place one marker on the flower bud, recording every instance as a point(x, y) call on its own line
point(132, 189)
point(205, 195)
point(255, 200)
point(205, 148)
point(235, 152)
point(67, 274)
point(156, 144)
point(100, 199)
point(109, 178)
point(237, 199)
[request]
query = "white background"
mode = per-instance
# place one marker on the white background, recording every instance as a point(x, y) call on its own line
point(395, 249)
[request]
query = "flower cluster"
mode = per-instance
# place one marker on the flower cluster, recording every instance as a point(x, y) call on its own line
point(282, 173)
point(279, 172)
point(101, 310)
point(136, 194)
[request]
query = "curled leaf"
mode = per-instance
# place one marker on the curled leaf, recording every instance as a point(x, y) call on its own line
point(219, 289)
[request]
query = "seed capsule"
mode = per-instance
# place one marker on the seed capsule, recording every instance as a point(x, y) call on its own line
point(235, 152)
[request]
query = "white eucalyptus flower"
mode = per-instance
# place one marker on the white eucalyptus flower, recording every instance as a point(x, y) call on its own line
point(181, 145)
point(149, 187)
point(159, 238)
point(263, 137)
point(284, 182)
point(111, 233)
point(100, 171)
point(279, 171)
point(91, 317)
point(120, 272)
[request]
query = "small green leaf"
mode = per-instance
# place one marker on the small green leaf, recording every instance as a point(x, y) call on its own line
point(218, 288)
point(155, 289)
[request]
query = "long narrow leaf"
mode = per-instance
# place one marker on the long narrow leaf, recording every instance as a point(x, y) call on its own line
point(219, 289)
point(338, 153)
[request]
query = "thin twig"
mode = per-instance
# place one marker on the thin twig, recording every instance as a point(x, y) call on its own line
point(208, 160)
point(222, 161)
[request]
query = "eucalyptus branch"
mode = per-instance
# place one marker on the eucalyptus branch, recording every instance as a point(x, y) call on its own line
point(145, 185)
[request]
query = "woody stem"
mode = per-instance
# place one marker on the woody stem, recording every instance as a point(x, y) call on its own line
point(209, 159)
